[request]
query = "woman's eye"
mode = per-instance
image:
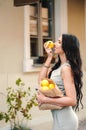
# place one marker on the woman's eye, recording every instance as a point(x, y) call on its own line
point(59, 42)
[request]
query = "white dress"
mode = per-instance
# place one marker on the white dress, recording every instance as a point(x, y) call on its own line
point(66, 118)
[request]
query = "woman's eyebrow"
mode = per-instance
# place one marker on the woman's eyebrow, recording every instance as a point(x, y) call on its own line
point(59, 40)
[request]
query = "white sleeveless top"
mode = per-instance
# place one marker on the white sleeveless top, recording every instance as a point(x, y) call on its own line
point(66, 118)
point(57, 78)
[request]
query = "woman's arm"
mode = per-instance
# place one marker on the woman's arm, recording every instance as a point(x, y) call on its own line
point(46, 67)
point(69, 85)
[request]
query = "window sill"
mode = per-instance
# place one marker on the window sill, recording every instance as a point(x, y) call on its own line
point(29, 66)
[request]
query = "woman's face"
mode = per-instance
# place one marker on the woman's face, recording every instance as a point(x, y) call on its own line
point(58, 46)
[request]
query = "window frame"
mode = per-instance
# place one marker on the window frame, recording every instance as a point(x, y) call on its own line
point(28, 63)
point(42, 38)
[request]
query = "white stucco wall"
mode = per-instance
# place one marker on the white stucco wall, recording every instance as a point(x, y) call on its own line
point(12, 53)
point(11, 57)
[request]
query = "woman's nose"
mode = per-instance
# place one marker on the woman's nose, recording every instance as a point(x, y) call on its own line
point(55, 43)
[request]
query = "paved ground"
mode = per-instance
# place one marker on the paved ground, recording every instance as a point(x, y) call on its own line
point(82, 125)
point(48, 126)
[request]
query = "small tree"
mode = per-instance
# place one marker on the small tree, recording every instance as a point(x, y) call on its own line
point(20, 102)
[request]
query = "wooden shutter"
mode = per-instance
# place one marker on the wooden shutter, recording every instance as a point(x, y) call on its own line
point(24, 2)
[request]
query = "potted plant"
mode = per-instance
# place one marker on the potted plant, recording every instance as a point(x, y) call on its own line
point(20, 102)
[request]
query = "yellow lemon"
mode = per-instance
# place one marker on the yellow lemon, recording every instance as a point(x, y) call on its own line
point(50, 44)
point(44, 83)
point(51, 86)
point(47, 43)
point(44, 88)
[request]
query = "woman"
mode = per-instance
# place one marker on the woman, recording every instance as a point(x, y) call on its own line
point(67, 75)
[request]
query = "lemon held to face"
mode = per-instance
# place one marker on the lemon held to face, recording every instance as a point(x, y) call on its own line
point(49, 44)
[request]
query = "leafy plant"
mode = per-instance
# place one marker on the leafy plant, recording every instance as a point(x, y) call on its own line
point(20, 102)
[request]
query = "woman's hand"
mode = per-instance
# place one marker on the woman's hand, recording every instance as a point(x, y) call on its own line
point(48, 50)
point(41, 98)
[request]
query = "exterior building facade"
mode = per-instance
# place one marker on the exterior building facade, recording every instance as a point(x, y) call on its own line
point(15, 49)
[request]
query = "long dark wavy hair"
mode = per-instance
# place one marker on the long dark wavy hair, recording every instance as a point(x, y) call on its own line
point(70, 45)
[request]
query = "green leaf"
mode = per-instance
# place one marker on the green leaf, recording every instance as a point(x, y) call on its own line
point(19, 101)
point(1, 116)
point(18, 81)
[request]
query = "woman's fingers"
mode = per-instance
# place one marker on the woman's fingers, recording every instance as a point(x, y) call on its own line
point(41, 98)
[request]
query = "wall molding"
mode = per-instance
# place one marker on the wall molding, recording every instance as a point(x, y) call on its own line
point(85, 31)
point(27, 61)
point(64, 16)
point(61, 18)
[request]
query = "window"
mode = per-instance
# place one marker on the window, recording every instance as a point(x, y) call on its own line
point(38, 28)
point(41, 28)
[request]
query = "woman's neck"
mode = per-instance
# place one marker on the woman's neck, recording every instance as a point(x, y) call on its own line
point(63, 58)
